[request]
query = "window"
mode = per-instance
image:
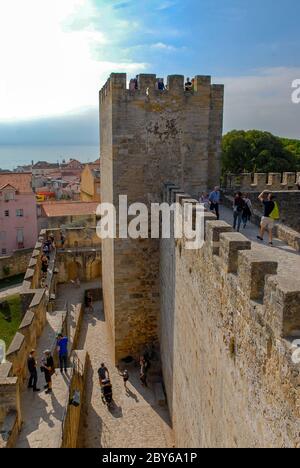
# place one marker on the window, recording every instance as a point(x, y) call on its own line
point(4, 251)
point(9, 196)
point(20, 238)
point(6, 213)
point(20, 213)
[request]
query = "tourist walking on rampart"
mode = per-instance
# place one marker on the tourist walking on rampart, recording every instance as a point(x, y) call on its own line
point(32, 368)
point(238, 208)
point(103, 373)
point(125, 375)
point(48, 370)
point(62, 344)
point(204, 200)
point(144, 367)
point(214, 200)
point(62, 240)
point(89, 302)
point(44, 265)
point(247, 211)
point(271, 214)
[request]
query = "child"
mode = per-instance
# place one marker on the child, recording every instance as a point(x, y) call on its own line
point(125, 376)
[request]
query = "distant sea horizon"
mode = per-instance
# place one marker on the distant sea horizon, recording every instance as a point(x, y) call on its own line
point(12, 156)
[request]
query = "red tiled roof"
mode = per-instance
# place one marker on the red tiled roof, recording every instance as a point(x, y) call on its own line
point(21, 181)
point(45, 165)
point(58, 209)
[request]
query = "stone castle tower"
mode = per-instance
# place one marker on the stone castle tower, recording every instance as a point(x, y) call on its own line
point(150, 137)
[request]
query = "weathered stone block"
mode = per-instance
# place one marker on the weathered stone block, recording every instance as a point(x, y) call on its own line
point(213, 232)
point(253, 267)
point(231, 243)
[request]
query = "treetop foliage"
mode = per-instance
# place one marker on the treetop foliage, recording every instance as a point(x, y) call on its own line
point(258, 151)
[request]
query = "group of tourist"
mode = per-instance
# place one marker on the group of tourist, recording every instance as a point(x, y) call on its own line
point(47, 368)
point(242, 210)
point(47, 365)
point(105, 381)
point(160, 84)
point(48, 247)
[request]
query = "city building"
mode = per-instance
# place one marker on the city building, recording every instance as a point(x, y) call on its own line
point(90, 182)
point(18, 216)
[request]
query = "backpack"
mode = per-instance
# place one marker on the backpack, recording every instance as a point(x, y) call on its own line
point(275, 213)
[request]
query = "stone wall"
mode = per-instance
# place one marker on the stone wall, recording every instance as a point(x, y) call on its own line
point(71, 423)
point(85, 265)
point(147, 138)
point(262, 181)
point(10, 411)
point(227, 324)
point(15, 264)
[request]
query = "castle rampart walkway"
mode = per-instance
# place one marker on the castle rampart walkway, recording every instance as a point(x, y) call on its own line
point(287, 257)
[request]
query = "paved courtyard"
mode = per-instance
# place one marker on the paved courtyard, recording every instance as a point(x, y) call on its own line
point(136, 420)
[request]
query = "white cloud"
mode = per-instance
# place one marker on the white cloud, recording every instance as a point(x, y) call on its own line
point(45, 68)
point(163, 46)
point(262, 100)
point(166, 5)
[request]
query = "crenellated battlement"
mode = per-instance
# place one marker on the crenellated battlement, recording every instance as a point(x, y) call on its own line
point(230, 313)
point(262, 181)
point(147, 86)
point(255, 270)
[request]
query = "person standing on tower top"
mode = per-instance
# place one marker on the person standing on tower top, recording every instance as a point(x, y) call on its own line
point(188, 85)
point(214, 199)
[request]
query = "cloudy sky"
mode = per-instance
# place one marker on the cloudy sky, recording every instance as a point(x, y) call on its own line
point(56, 54)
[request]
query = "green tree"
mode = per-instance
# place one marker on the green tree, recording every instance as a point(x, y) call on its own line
point(256, 151)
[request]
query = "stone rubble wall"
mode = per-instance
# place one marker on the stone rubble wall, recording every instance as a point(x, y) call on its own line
point(16, 264)
point(226, 327)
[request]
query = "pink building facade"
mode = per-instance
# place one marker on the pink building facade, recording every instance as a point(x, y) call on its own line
point(18, 213)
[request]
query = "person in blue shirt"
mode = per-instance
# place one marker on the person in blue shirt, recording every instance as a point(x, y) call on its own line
point(214, 199)
point(62, 343)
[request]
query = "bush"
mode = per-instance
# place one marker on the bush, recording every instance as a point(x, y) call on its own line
point(6, 270)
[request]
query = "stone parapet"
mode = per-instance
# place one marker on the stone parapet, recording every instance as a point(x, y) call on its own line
point(262, 181)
